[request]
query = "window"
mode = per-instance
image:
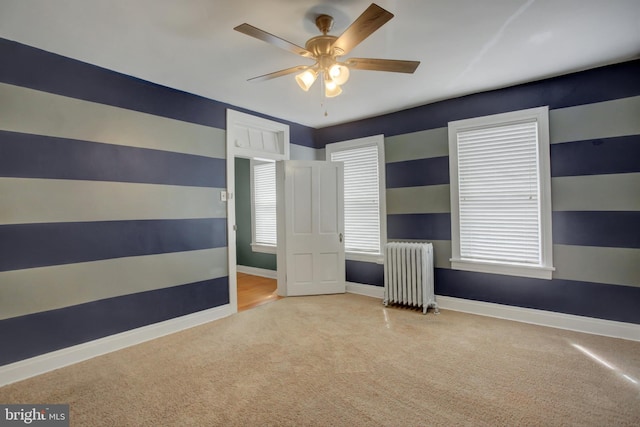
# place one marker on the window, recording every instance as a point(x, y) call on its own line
point(501, 194)
point(263, 206)
point(364, 196)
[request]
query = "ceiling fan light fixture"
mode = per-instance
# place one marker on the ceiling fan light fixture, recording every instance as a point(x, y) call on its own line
point(339, 73)
point(306, 79)
point(324, 49)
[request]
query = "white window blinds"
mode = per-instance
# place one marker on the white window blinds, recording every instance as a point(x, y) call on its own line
point(499, 194)
point(361, 198)
point(264, 203)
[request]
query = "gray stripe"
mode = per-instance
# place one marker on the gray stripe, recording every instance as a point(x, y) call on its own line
point(31, 111)
point(65, 285)
point(616, 266)
point(417, 145)
point(26, 200)
point(300, 152)
point(425, 199)
point(599, 120)
point(441, 251)
point(616, 192)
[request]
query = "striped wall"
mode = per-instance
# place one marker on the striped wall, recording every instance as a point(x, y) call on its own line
point(110, 215)
point(595, 167)
point(109, 198)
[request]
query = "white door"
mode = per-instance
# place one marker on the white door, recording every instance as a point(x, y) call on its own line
point(310, 228)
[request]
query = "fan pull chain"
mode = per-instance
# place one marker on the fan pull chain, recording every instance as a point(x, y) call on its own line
point(323, 96)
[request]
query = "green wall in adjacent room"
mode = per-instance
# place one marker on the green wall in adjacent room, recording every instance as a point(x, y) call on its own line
point(245, 256)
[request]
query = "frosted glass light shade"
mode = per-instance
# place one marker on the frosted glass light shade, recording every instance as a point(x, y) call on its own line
point(339, 74)
point(331, 89)
point(306, 78)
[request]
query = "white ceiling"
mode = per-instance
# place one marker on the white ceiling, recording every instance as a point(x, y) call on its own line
point(464, 46)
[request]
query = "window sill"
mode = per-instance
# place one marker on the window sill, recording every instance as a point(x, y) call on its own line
point(266, 249)
point(506, 269)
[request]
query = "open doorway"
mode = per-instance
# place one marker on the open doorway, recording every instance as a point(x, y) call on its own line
point(248, 137)
point(256, 264)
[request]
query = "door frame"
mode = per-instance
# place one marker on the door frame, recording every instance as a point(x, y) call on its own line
point(243, 140)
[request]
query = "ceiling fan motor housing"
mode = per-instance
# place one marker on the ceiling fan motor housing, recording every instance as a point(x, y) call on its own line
point(322, 46)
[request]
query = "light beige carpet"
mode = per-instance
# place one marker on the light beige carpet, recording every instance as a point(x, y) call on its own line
point(345, 360)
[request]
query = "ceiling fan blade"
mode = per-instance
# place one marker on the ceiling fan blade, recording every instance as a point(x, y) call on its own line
point(393, 65)
point(280, 73)
point(252, 31)
point(370, 20)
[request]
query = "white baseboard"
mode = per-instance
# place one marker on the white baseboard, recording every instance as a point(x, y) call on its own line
point(255, 271)
point(58, 359)
point(367, 290)
point(589, 325)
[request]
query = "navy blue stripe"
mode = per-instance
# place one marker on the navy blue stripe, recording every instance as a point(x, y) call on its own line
point(35, 156)
point(26, 66)
point(35, 334)
point(611, 302)
point(365, 272)
point(596, 156)
point(36, 245)
point(431, 226)
point(414, 173)
point(596, 85)
point(619, 229)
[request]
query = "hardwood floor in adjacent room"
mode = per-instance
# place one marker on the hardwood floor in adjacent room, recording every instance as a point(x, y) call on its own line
point(255, 290)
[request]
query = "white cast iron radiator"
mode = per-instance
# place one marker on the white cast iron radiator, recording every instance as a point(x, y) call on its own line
point(408, 275)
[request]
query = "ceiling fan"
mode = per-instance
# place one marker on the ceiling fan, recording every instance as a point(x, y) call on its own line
point(326, 49)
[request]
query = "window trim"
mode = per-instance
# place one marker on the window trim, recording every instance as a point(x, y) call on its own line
point(378, 141)
point(545, 269)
